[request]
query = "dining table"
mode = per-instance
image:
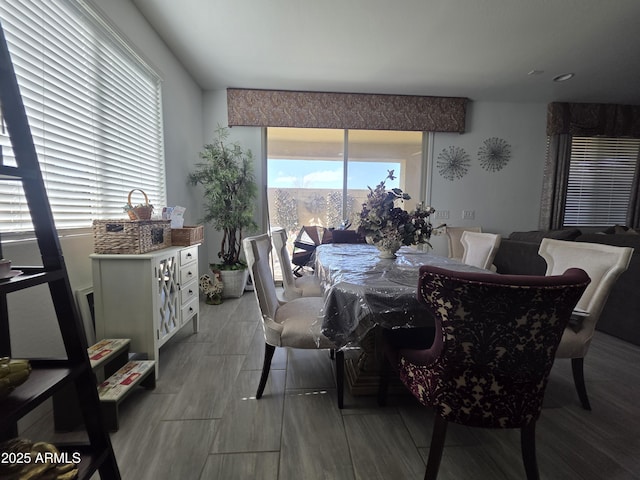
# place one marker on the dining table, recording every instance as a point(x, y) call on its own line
point(363, 291)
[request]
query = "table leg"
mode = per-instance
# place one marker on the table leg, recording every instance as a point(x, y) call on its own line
point(362, 373)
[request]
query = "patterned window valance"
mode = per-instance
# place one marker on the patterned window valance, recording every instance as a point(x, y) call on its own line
point(593, 120)
point(278, 108)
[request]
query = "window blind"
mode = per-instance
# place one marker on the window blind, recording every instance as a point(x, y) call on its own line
point(600, 181)
point(94, 109)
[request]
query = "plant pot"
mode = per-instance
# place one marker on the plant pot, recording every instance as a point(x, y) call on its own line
point(234, 282)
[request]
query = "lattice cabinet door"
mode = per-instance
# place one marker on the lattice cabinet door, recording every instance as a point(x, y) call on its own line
point(167, 276)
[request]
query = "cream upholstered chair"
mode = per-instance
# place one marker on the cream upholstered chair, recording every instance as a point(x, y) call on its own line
point(604, 264)
point(294, 324)
point(456, 249)
point(294, 287)
point(480, 248)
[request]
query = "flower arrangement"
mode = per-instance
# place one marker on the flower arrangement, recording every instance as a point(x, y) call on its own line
point(389, 227)
point(212, 288)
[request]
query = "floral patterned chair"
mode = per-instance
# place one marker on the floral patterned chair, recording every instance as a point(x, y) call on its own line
point(496, 337)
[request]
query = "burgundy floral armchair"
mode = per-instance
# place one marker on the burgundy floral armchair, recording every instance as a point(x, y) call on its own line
point(495, 341)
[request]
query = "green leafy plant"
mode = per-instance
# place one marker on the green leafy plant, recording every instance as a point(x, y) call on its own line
point(230, 191)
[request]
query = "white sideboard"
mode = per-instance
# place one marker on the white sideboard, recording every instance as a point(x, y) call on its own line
point(146, 297)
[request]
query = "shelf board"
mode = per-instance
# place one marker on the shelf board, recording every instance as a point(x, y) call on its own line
point(14, 173)
point(31, 277)
point(40, 385)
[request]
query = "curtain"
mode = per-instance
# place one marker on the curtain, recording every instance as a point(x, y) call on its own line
point(633, 216)
point(587, 120)
point(554, 187)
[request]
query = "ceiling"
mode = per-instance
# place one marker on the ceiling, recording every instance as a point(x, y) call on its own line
point(480, 49)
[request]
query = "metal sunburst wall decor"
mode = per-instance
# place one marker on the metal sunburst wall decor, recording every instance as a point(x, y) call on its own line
point(494, 154)
point(453, 163)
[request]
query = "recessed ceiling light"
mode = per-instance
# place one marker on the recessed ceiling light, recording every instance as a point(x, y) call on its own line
point(564, 77)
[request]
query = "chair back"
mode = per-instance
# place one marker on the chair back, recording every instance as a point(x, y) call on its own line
point(456, 250)
point(346, 236)
point(256, 251)
point(603, 263)
point(479, 248)
point(279, 239)
point(496, 337)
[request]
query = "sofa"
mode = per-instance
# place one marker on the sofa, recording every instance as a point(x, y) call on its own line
point(518, 254)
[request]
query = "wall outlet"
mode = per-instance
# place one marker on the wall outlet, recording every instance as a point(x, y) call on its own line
point(442, 214)
point(468, 214)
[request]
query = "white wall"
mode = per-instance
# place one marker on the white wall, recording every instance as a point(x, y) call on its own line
point(503, 201)
point(33, 324)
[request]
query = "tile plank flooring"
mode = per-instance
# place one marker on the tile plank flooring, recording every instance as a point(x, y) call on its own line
point(203, 422)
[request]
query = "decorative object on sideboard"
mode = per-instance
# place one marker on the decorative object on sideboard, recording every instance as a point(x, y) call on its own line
point(141, 211)
point(130, 236)
point(453, 163)
point(494, 154)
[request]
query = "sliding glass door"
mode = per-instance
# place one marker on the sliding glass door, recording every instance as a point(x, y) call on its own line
point(319, 177)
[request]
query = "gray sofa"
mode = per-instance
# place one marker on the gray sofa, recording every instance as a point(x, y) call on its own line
point(518, 254)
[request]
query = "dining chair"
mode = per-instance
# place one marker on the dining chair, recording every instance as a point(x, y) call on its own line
point(293, 324)
point(294, 287)
point(496, 336)
point(480, 248)
point(305, 244)
point(456, 250)
point(346, 236)
point(604, 264)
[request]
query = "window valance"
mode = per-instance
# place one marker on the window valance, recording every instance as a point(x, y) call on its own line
point(593, 120)
point(280, 108)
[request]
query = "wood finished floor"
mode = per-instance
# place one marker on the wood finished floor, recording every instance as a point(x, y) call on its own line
point(202, 420)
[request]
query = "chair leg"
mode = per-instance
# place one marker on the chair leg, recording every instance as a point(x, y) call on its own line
point(437, 445)
point(528, 446)
point(340, 377)
point(577, 367)
point(269, 350)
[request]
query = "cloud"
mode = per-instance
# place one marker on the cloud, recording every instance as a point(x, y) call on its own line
point(286, 180)
point(320, 179)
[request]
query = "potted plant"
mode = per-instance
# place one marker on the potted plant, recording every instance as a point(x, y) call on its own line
point(230, 190)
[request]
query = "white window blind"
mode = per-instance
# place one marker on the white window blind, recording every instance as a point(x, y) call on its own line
point(601, 176)
point(94, 109)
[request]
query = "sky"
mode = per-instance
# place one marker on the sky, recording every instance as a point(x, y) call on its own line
point(286, 173)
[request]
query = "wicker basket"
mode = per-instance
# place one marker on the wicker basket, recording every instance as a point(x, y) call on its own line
point(127, 236)
point(187, 236)
point(141, 212)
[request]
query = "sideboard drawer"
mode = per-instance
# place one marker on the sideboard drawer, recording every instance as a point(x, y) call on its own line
point(188, 255)
point(188, 273)
point(190, 309)
point(188, 292)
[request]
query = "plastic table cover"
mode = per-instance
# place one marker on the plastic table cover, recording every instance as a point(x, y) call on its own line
point(362, 290)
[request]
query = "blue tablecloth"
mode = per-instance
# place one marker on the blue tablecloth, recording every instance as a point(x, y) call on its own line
point(362, 290)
